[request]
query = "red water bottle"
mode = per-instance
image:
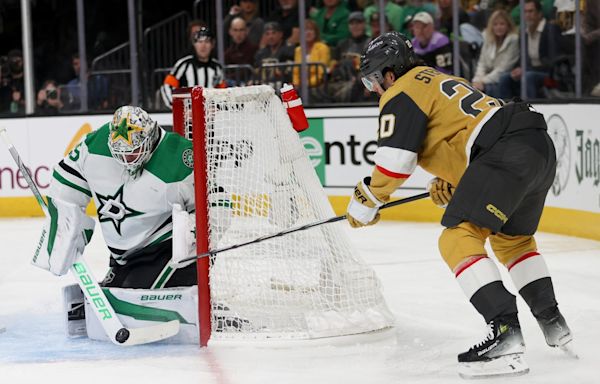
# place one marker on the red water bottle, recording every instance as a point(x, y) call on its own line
point(293, 105)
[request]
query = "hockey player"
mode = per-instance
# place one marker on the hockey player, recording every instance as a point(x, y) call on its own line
point(136, 173)
point(502, 163)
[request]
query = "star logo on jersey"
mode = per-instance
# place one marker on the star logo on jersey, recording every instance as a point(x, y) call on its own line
point(124, 129)
point(113, 208)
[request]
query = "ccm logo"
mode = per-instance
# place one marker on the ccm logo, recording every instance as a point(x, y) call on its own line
point(496, 212)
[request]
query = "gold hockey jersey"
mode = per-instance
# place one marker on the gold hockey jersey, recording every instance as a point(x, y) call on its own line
point(430, 119)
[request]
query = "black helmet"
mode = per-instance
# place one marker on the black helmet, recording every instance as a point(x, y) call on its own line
point(391, 51)
point(202, 34)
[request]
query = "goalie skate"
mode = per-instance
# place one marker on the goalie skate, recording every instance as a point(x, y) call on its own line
point(499, 354)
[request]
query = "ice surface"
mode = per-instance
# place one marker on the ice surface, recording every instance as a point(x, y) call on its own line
point(433, 323)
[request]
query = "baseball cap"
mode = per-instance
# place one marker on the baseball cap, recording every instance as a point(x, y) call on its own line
point(423, 17)
point(356, 16)
point(273, 25)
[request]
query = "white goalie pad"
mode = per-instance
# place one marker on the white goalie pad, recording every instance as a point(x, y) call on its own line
point(184, 236)
point(74, 311)
point(137, 308)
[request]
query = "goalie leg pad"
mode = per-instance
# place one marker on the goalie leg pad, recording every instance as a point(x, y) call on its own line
point(73, 304)
point(143, 307)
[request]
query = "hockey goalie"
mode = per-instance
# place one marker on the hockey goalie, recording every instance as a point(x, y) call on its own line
point(141, 180)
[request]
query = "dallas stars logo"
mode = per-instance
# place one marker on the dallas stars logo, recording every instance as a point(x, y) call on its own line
point(113, 208)
point(124, 129)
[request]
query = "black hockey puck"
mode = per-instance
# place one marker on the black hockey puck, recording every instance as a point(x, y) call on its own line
point(122, 335)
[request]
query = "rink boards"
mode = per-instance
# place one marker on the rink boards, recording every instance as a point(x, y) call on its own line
point(341, 144)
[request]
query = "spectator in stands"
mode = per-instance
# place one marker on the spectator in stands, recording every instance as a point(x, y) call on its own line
point(241, 50)
point(411, 8)
point(97, 89)
point(358, 40)
point(49, 99)
point(286, 15)
point(394, 14)
point(344, 79)
point(317, 52)
point(198, 69)
point(444, 17)
point(499, 54)
point(375, 27)
point(430, 45)
point(249, 11)
point(12, 84)
point(541, 49)
point(332, 20)
point(276, 50)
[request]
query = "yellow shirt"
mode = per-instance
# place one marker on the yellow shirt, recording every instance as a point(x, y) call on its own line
point(320, 53)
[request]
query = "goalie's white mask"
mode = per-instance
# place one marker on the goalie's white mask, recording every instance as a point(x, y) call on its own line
point(132, 138)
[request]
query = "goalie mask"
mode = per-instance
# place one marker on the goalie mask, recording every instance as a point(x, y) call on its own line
point(132, 137)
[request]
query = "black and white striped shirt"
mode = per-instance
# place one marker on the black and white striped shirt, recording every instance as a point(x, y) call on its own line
point(189, 71)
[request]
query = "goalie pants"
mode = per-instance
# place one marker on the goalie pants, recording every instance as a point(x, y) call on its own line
point(149, 268)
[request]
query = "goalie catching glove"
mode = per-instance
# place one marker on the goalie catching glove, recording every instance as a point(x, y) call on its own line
point(440, 191)
point(66, 232)
point(364, 206)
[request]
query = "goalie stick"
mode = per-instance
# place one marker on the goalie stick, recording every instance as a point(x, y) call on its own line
point(300, 228)
point(115, 330)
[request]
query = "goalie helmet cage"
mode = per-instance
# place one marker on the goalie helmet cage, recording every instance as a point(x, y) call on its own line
point(253, 178)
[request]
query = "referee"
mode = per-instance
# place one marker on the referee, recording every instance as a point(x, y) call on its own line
point(199, 69)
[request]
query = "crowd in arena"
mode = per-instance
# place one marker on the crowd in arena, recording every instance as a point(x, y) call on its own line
point(262, 45)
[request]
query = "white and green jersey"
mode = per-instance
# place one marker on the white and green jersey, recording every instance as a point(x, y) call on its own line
point(133, 212)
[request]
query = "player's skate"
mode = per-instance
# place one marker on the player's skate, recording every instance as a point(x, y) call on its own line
point(499, 354)
point(556, 331)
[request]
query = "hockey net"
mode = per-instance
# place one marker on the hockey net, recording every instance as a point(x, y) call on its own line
point(252, 179)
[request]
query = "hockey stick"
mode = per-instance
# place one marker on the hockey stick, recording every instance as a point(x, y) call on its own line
point(115, 330)
point(301, 228)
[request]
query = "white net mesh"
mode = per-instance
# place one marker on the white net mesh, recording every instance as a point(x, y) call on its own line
point(306, 284)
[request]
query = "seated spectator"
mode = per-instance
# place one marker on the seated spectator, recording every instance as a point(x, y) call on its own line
point(499, 54)
point(547, 11)
point(198, 69)
point(411, 8)
point(317, 52)
point(332, 20)
point(49, 99)
point(247, 10)
point(346, 61)
point(97, 89)
point(541, 49)
point(241, 50)
point(375, 27)
point(286, 15)
point(276, 49)
point(358, 40)
point(444, 17)
point(430, 45)
point(565, 19)
point(12, 85)
point(394, 14)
